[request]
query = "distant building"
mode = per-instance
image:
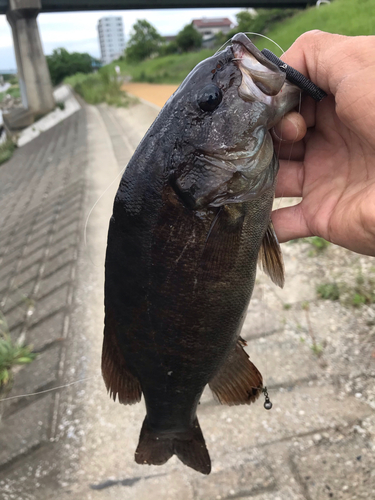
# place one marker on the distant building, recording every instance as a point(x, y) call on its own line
point(209, 27)
point(170, 38)
point(111, 38)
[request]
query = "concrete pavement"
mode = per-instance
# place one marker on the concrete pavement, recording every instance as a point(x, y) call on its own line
point(317, 442)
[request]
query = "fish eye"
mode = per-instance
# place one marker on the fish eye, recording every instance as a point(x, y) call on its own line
point(210, 97)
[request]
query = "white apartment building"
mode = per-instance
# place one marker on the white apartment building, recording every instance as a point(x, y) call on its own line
point(111, 38)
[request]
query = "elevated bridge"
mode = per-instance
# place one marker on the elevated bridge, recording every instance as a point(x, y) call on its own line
point(79, 5)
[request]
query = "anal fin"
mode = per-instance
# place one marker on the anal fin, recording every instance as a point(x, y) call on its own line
point(238, 381)
point(270, 257)
point(117, 378)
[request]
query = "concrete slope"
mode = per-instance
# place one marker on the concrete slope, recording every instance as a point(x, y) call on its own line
point(317, 442)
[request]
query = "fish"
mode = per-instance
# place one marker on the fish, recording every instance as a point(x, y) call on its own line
point(191, 219)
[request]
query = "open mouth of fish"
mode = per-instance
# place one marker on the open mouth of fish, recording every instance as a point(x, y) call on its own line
point(261, 79)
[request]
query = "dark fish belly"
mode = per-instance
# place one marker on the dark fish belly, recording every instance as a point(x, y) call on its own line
point(181, 316)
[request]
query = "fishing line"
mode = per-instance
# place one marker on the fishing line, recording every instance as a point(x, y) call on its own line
point(222, 47)
point(252, 33)
point(267, 38)
point(90, 212)
point(49, 390)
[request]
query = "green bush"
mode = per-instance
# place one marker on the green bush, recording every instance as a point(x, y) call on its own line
point(103, 86)
point(13, 91)
point(189, 39)
point(62, 64)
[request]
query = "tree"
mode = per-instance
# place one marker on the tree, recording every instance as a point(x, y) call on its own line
point(62, 63)
point(188, 39)
point(261, 22)
point(144, 41)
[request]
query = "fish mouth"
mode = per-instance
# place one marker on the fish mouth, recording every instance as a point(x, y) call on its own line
point(261, 79)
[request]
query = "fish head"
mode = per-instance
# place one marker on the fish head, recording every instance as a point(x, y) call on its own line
point(222, 112)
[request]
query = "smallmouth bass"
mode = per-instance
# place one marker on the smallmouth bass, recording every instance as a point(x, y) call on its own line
point(190, 219)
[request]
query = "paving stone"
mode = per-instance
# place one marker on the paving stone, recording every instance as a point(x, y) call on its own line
point(31, 258)
point(26, 289)
point(260, 320)
point(42, 372)
point(168, 487)
point(279, 494)
point(15, 317)
point(341, 470)
point(7, 270)
point(64, 239)
point(295, 412)
point(58, 259)
point(36, 244)
point(30, 273)
point(39, 236)
point(25, 430)
point(284, 360)
point(20, 236)
point(67, 232)
point(12, 255)
point(240, 481)
point(69, 218)
point(46, 331)
point(55, 280)
point(15, 299)
point(50, 304)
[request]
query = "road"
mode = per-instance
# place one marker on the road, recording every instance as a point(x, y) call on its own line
point(155, 94)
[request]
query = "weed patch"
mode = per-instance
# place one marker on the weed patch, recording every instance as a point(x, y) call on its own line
point(13, 91)
point(328, 291)
point(103, 86)
point(11, 354)
point(356, 295)
point(6, 150)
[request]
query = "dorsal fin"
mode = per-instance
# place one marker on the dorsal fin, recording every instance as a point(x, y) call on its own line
point(270, 257)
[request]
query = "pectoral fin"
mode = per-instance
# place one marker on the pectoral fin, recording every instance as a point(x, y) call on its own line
point(223, 239)
point(270, 257)
point(238, 381)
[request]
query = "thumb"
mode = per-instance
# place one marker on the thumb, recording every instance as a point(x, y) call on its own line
point(327, 59)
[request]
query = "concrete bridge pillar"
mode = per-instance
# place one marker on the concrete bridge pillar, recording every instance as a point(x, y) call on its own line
point(33, 74)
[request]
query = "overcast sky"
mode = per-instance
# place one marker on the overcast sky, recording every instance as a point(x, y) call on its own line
point(76, 31)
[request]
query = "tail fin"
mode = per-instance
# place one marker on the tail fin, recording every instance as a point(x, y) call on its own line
point(189, 446)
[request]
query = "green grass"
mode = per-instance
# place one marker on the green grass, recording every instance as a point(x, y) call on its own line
point(13, 91)
point(6, 150)
point(99, 87)
point(11, 354)
point(346, 17)
point(361, 292)
point(168, 69)
point(328, 291)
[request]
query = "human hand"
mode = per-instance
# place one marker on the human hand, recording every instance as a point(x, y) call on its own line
point(332, 165)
